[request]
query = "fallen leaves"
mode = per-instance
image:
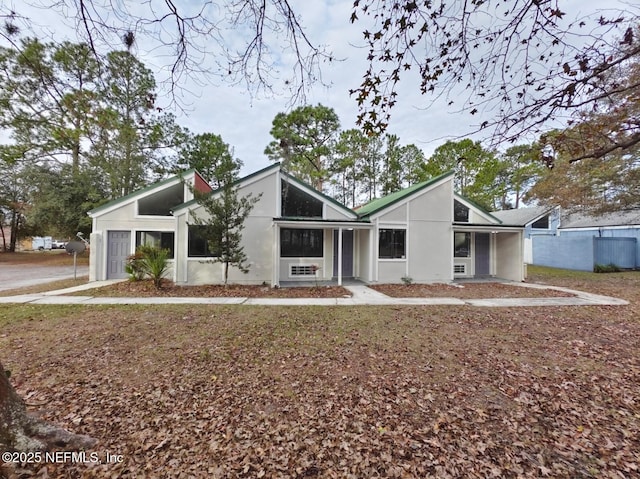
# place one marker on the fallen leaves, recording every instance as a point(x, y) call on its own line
point(396, 392)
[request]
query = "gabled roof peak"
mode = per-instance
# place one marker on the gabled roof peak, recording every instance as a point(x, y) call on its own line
point(379, 204)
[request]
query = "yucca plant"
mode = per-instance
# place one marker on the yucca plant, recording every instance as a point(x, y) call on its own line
point(154, 263)
point(134, 267)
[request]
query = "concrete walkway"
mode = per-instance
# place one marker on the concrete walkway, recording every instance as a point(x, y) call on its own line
point(361, 295)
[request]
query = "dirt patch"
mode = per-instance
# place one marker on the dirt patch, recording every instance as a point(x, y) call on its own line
point(466, 291)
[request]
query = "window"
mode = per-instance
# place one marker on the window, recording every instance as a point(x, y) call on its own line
point(297, 203)
point(542, 223)
point(157, 239)
point(161, 202)
point(460, 212)
point(199, 242)
point(391, 244)
point(462, 245)
point(301, 243)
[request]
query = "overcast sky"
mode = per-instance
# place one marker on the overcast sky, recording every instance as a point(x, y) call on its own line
point(244, 122)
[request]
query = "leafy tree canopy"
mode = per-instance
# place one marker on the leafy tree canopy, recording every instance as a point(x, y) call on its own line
point(303, 140)
point(210, 156)
point(475, 169)
point(522, 62)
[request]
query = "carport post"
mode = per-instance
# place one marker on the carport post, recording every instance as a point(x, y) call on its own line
point(340, 256)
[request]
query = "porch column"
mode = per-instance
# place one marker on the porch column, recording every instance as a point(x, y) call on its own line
point(340, 256)
point(275, 269)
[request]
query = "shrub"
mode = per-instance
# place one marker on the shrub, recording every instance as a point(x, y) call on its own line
point(134, 266)
point(407, 280)
point(606, 268)
point(154, 261)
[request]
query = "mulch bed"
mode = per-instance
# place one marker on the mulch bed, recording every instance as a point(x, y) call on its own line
point(466, 291)
point(145, 289)
point(462, 291)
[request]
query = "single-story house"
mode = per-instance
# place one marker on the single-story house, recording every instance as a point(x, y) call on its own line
point(623, 223)
point(577, 240)
point(616, 234)
point(295, 233)
point(536, 221)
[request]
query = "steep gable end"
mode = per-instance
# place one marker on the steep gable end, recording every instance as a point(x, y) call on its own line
point(296, 193)
point(380, 204)
point(476, 214)
point(158, 198)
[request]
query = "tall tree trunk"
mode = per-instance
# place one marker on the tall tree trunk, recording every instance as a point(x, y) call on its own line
point(13, 239)
point(4, 238)
point(19, 431)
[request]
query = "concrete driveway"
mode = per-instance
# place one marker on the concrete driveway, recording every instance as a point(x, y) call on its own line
point(20, 276)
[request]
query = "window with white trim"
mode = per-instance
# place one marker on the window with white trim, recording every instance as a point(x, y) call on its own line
point(462, 245)
point(460, 212)
point(297, 203)
point(301, 243)
point(156, 239)
point(198, 242)
point(392, 243)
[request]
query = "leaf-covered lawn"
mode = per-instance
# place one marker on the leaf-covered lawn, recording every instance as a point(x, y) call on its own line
point(210, 391)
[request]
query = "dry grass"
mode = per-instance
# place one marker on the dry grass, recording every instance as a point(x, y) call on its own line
point(42, 288)
point(470, 290)
point(56, 257)
point(221, 391)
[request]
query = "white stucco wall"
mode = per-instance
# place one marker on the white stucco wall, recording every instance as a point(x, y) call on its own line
point(334, 213)
point(361, 241)
point(122, 219)
point(509, 257)
point(257, 238)
point(427, 218)
point(397, 214)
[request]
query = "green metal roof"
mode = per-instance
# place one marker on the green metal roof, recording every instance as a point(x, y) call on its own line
point(379, 204)
point(125, 198)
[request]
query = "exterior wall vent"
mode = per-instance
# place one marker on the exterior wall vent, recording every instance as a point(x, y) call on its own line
point(459, 269)
point(302, 270)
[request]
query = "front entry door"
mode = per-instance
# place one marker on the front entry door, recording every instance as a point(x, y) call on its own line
point(482, 254)
point(118, 248)
point(347, 253)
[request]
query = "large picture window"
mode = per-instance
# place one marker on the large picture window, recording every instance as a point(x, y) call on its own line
point(391, 244)
point(301, 243)
point(297, 203)
point(462, 245)
point(156, 239)
point(199, 242)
